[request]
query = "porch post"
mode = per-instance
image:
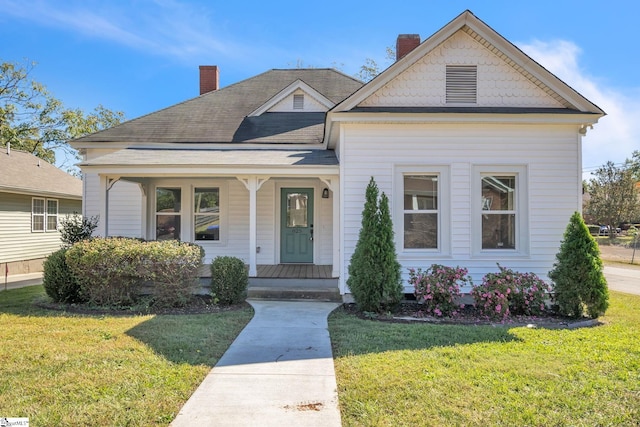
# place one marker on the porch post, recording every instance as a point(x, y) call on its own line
point(336, 227)
point(103, 222)
point(253, 228)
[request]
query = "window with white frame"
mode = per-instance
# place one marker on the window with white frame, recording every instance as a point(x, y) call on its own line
point(500, 215)
point(52, 215)
point(44, 214)
point(422, 210)
point(168, 213)
point(206, 216)
point(499, 211)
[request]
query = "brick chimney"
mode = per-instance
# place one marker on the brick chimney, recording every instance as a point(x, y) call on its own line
point(405, 44)
point(209, 78)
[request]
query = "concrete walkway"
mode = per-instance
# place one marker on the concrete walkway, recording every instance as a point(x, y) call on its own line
point(278, 372)
point(20, 281)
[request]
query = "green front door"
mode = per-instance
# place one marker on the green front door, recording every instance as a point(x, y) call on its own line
point(296, 226)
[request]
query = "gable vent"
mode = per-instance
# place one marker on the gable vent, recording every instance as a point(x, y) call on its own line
point(462, 84)
point(298, 102)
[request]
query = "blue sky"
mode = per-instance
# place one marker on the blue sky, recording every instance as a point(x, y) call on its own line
point(139, 56)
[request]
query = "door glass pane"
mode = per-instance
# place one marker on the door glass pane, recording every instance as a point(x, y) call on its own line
point(297, 210)
point(421, 231)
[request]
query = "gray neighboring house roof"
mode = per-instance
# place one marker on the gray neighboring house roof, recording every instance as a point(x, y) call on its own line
point(24, 173)
point(221, 116)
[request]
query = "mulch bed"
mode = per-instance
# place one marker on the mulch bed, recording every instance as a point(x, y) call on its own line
point(200, 304)
point(409, 312)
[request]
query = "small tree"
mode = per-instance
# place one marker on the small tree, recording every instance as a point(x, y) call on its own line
point(374, 272)
point(76, 228)
point(579, 282)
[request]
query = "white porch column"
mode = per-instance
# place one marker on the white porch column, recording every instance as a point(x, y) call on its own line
point(103, 222)
point(253, 227)
point(143, 210)
point(253, 184)
point(336, 227)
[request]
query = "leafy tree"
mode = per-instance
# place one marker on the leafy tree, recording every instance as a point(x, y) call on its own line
point(374, 272)
point(32, 120)
point(579, 283)
point(370, 68)
point(613, 194)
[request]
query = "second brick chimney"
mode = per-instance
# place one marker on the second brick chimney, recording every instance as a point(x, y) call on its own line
point(209, 78)
point(405, 44)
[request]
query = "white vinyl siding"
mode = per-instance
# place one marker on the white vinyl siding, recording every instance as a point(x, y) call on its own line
point(545, 157)
point(19, 243)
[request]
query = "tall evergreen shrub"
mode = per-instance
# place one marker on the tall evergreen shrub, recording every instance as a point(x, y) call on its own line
point(374, 272)
point(579, 283)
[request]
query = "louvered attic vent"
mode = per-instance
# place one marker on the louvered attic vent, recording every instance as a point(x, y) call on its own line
point(298, 102)
point(462, 84)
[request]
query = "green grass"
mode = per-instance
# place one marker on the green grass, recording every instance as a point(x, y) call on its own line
point(435, 375)
point(64, 369)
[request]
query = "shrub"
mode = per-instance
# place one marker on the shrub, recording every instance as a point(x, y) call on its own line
point(510, 292)
point(113, 270)
point(58, 280)
point(75, 228)
point(438, 288)
point(229, 280)
point(579, 283)
point(374, 272)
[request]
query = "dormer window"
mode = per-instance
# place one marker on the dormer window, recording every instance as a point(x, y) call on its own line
point(298, 102)
point(462, 84)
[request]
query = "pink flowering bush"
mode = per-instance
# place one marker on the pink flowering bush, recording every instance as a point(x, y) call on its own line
point(510, 292)
point(438, 289)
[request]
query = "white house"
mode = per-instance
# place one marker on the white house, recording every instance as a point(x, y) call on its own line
point(477, 146)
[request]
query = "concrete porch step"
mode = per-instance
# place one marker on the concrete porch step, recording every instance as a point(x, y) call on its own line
point(294, 289)
point(290, 294)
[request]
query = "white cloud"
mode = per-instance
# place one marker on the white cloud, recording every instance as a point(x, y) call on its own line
point(612, 138)
point(161, 27)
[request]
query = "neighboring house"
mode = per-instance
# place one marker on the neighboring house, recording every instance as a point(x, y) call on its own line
point(477, 146)
point(34, 197)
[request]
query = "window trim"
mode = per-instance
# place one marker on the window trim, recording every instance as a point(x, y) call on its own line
point(45, 215)
point(187, 217)
point(443, 211)
point(48, 215)
point(521, 210)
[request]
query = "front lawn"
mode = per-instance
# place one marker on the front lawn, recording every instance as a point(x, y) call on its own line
point(393, 374)
point(66, 369)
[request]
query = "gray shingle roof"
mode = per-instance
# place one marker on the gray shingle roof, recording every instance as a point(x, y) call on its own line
point(22, 172)
point(221, 116)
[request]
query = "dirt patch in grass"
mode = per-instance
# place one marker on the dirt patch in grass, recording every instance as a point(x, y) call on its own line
point(620, 254)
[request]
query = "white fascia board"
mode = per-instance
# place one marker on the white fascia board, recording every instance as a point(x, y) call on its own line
point(298, 84)
point(154, 171)
point(199, 146)
point(363, 117)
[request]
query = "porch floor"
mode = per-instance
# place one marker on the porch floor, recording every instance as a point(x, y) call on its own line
point(285, 271)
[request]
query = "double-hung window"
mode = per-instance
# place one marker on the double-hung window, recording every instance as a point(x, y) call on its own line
point(422, 210)
point(168, 213)
point(44, 214)
point(206, 217)
point(500, 216)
